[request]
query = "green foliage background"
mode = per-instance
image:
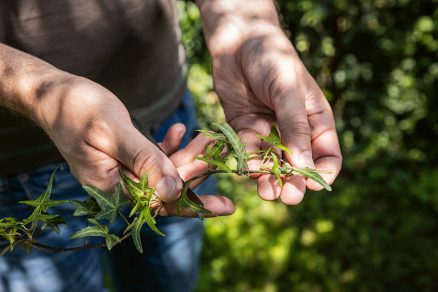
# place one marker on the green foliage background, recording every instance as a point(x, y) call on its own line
point(377, 61)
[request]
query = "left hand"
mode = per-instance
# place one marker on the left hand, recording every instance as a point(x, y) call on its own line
point(260, 79)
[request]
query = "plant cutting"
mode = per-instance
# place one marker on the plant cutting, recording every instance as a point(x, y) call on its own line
point(224, 154)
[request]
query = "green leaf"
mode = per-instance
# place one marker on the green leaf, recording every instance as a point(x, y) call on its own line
point(136, 207)
point(236, 145)
point(185, 202)
point(95, 230)
point(212, 135)
point(274, 139)
point(88, 207)
point(43, 202)
point(111, 240)
point(213, 151)
point(108, 203)
point(313, 175)
point(53, 223)
point(9, 230)
point(89, 231)
point(150, 221)
point(134, 188)
point(143, 183)
point(8, 222)
point(136, 237)
point(43, 217)
point(231, 162)
point(141, 194)
point(276, 169)
point(217, 163)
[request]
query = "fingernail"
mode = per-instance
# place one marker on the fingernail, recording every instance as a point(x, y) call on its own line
point(166, 189)
point(306, 159)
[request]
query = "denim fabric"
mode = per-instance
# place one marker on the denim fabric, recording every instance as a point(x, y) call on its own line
point(169, 263)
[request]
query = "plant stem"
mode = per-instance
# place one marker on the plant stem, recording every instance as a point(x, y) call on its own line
point(220, 171)
point(124, 218)
point(47, 248)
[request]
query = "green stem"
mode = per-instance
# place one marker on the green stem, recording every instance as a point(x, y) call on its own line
point(48, 248)
point(5, 250)
point(124, 218)
point(220, 171)
point(127, 235)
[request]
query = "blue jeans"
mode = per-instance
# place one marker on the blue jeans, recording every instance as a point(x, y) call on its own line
point(168, 263)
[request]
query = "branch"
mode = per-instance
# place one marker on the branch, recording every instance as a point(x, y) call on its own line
point(48, 248)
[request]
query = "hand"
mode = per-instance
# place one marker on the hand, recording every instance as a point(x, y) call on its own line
point(188, 167)
point(260, 80)
point(93, 131)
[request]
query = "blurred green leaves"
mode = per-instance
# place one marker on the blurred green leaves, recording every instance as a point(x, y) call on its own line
point(376, 62)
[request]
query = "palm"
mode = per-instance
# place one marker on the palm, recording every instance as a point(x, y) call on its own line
point(270, 84)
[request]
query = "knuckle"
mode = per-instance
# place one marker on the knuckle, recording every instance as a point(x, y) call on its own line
point(96, 176)
point(296, 124)
point(146, 161)
point(301, 128)
point(96, 131)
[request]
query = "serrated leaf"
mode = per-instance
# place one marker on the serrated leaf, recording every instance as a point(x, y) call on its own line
point(212, 135)
point(88, 207)
point(313, 175)
point(133, 187)
point(236, 145)
point(141, 194)
point(111, 240)
point(136, 237)
point(39, 217)
point(150, 221)
point(185, 202)
point(53, 223)
point(218, 164)
point(9, 230)
point(8, 222)
point(135, 208)
point(276, 169)
point(95, 230)
point(89, 231)
point(213, 151)
point(143, 183)
point(43, 202)
point(108, 203)
point(274, 139)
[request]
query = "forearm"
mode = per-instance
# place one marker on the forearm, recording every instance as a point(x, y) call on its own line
point(27, 82)
point(228, 23)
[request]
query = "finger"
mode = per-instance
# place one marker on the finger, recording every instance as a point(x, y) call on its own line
point(172, 139)
point(327, 157)
point(325, 143)
point(218, 205)
point(193, 169)
point(188, 153)
point(141, 157)
point(268, 187)
point(292, 192)
point(294, 128)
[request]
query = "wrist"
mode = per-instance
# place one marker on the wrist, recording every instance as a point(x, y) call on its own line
point(229, 23)
point(49, 96)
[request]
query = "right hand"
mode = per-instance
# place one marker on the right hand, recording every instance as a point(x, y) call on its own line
point(93, 131)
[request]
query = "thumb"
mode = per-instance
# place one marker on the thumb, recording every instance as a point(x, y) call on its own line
point(141, 156)
point(294, 128)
